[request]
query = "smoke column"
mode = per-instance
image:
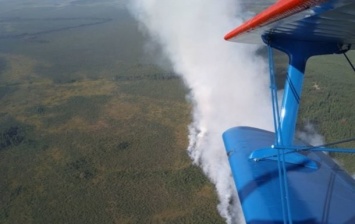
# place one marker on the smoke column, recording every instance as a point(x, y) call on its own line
point(228, 83)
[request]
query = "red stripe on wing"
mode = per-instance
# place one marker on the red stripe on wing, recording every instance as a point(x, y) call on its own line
point(277, 11)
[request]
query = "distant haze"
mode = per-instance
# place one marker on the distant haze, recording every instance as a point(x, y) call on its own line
point(61, 3)
point(228, 83)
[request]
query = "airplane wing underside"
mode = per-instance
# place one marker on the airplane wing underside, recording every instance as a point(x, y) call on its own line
point(316, 20)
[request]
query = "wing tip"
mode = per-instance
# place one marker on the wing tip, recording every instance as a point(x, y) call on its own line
point(227, 37)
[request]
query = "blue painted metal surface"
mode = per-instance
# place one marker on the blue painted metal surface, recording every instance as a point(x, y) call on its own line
point(302, 186)
point(325, 195)
point(298, 53)
point(291, 156)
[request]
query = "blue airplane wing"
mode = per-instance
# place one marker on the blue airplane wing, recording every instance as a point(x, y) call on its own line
point(325, 194)
point(275, 183)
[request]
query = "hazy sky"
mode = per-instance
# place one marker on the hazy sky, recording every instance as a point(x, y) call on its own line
point(7, 5)
point(252, 6)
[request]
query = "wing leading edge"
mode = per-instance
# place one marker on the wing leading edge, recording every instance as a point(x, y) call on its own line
point(307, 20)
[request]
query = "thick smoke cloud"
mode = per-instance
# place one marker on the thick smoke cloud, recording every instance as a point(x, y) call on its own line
point(228, 83)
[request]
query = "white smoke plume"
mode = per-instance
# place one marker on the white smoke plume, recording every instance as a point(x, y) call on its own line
point(228, 83)
point(310, 135)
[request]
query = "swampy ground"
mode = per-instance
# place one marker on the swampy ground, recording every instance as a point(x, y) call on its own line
point(92, 131)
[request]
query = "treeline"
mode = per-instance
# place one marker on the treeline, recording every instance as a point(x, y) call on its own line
point(137, 77)
point(328, 102)
point(95, 21)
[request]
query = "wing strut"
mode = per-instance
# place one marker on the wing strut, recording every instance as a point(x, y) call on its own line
point(266, 165)
point(298, 53)
point(286, 210)
point(285, 122)
point(286, 117)
point(351, 64)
